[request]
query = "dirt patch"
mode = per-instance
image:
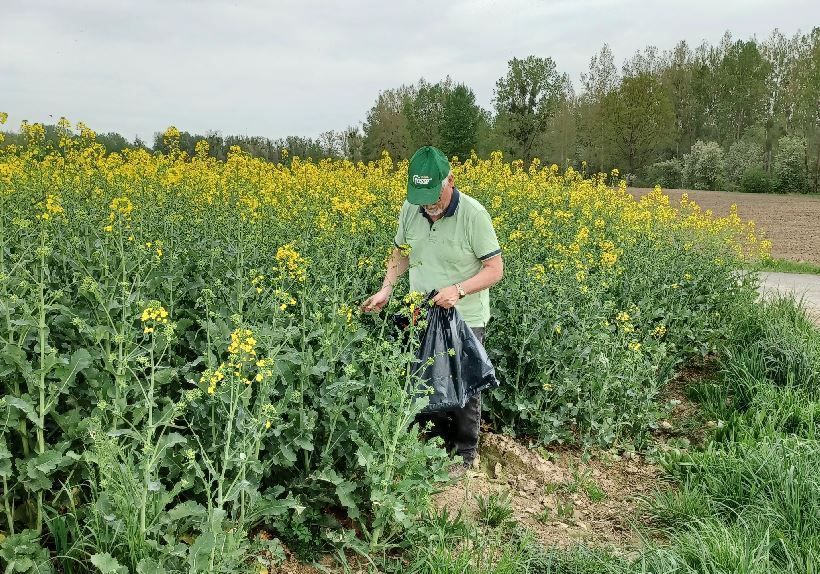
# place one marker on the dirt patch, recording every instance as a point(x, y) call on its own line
point(685, 420)
point(790, 221)
point(293, 566)
point(559, 496)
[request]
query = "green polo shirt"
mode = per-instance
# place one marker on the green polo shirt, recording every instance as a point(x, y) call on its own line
point(450, 250)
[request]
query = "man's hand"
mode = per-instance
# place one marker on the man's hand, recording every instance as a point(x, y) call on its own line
point(447, 297)
point(376, 301)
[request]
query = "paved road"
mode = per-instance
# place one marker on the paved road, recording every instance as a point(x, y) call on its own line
point(805, 285)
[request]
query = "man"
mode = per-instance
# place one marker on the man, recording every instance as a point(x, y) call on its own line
point(454, 250)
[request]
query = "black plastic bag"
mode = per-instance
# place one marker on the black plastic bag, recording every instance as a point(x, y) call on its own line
point(451, 361)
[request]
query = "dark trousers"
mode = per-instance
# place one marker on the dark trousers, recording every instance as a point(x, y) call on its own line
point(459, 428)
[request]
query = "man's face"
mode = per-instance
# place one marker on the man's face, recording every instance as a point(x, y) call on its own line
point(437, 208)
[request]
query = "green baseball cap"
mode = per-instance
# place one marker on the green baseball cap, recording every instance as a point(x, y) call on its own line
point(428, 168)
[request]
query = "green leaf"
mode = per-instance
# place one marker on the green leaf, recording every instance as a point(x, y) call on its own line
point(14, 356)
point(268, 505)
point(26, 406)
point(170, 440)
point(49, 361)
point(186, 509)
point(80, 360)
point(36, 472)
point(304, 443)
point(147, 566)
point(365, 455)
point(131, 433)
point(330, 475)
point(5, 459)
point(107, 564)
point(200, 552)
point(287, 452)
point(344, 491)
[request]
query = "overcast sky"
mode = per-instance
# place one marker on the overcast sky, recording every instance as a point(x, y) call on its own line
point(301, 67)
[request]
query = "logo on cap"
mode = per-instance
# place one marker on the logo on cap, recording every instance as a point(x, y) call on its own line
point(421, 179)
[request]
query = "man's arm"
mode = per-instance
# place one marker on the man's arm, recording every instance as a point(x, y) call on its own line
point(492, 270)
point(396, 267)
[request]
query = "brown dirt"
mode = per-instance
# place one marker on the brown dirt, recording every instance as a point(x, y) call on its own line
point(328, 565)
point(549, 492)
point(685, 420)
point(792, 222)
point(293, 566)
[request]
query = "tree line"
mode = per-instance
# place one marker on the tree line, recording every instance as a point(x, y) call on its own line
point(739, 115)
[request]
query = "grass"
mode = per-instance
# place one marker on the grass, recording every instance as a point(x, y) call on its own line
point(785, 266)
point(749, 502)
point(496, 509)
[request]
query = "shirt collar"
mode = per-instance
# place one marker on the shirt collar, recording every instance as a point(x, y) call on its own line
point(451, 209)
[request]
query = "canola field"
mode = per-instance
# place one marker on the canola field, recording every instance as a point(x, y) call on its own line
point(182, 357)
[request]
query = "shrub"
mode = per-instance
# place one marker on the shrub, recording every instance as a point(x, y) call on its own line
point(789, 166)
point(668, 174)
point(756, 180)
point(743, 156)
point(704, 165)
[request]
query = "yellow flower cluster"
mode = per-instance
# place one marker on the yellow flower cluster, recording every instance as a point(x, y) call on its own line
point(170, 134)
point(35, 133)
point(256, 282)
point(212, 377)
point(345, 311)
point(413, 300)
point(265, 370)
point(268, 413)
point(291, 263)
point(50, 207)
point(241, 354)
point(283, 299)
point(154, 314)
point(242, 343)
point(120, 208)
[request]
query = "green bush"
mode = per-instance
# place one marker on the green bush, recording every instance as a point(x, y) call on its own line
point(755, 180)
point(789, 165)
point(744, 156)
point(704, 166)
point(668, 174)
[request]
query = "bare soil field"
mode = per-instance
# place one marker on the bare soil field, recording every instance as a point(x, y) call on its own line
point(792, 222)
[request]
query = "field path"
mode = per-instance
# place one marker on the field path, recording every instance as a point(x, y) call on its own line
point(792, 222)
point(800, 284)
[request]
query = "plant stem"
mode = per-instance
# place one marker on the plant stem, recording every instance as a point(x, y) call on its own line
point(7, 506)
point(227, 451)
point(41, 331)
point(119, 379)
